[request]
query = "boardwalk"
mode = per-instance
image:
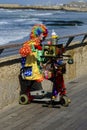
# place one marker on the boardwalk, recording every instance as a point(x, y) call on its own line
point(35, 117)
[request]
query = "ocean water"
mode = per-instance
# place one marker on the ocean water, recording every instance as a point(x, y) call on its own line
point(15, 25)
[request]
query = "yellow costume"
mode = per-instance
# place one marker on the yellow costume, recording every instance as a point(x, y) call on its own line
point(32, 51)
point(31, 60)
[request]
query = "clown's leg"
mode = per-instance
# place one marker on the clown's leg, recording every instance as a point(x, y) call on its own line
point(60, 84)
point(25, 85)
point(54, 92)
point(63, 89)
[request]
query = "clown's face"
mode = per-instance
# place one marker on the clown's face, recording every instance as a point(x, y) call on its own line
point(41, 37)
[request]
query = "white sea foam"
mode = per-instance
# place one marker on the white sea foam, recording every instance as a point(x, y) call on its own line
point(27, 20)
point(11, 11)
point(42, 14)
point(13, 36)
point(20, 20)
point(3, 22)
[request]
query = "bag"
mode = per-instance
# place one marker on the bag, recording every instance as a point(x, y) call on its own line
point(26, 72)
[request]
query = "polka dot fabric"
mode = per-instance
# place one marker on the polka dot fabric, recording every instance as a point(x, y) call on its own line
point(25, 50)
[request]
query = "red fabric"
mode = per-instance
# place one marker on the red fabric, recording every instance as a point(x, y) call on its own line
point(60, 85)
point(38, 47)
point(30, 98)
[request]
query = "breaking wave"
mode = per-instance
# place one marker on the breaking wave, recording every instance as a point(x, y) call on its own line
point(63, 23)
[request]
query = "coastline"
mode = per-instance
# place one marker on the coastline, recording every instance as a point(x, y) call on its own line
point(56, 7)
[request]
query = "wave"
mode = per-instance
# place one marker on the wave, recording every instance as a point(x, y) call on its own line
point(20, 20)
point(26, 20)
point(11, 39)
point(42, 14)
point(3, 22)
point(63, 23)
point(13, 36)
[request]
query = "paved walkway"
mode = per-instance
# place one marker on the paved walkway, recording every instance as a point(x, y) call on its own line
point(35, 117)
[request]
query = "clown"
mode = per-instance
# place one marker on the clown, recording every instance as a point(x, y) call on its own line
point(31, 52)
point(37, 65)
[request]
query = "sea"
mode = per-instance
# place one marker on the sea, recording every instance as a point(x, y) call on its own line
point(15, 25)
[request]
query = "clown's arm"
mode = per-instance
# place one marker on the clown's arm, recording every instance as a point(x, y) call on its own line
point(25, 50)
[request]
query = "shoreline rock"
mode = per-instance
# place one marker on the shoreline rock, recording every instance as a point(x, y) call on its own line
point(56, 7)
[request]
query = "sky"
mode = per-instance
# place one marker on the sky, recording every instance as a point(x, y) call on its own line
point(36, 2)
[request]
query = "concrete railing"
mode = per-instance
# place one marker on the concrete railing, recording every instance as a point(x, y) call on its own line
point(10, 69)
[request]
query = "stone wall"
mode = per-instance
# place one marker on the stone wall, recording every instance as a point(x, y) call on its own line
point(9, 83)
point(79, 67)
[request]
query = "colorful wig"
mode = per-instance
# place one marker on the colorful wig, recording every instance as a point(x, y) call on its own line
point(37, 30)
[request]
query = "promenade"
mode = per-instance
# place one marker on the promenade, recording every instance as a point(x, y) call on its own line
point(36, 117)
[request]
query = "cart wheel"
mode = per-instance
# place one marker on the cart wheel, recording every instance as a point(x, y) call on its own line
point(64, 101)
point(23, 99)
